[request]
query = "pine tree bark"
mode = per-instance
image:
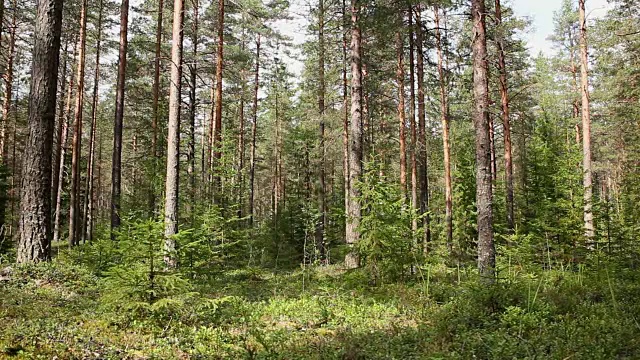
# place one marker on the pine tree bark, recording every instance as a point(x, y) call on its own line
point(62, 146)
point(322, 206)
point(217, 114)
point(193, 78)
point(402, 120)
point(173, 139)
point(89, 203)
point(254, 134)
point(352, 259)
point(155, 113)
point(345, 106)
point(116, 163)
point(506, 122)
point(74, 207)
point(58, 126)
point(444, 116)
point(422, 135)
point(34, 244)
point(412, 119)
point(586, 127)
point(486, 247)
point(8, 86)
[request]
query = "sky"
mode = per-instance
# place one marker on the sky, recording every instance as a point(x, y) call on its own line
point(541, 13)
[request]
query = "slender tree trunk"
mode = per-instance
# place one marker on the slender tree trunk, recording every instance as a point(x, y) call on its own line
point(74, 208)
point(58, 127)
point(241, 135)
point(422, 135)
point(155, 114)
point(89, 205)
point(401, 104)
point(506, 122)
point(8, 85)
point(193, 78)
point(62, 146)
point(34, 244)
point(352, 259)
point(444, 115)
point(586, 127)
point(217, 114)
point(345, 105)
point(254, 134)
point(116, 164)
point(486, 247)
point(412, 118)
point(173, 140)
point(322, 206)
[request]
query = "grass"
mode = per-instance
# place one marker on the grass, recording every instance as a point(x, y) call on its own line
point(63, 310)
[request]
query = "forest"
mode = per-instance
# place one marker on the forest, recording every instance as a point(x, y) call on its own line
point(185, 180)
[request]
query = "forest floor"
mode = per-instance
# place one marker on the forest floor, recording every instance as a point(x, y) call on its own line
point(64, 310)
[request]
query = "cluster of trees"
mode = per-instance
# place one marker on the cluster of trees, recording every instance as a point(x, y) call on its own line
point(432, 105)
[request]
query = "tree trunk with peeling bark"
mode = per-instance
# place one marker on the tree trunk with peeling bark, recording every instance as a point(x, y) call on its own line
point(352, 259)
point(486, 247)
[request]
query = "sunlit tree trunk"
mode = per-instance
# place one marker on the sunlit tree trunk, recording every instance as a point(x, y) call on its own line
point(352, 259)
point(74, 206)
point(506, 122)
point(173, 139)
point(444, 115)
point(217, 103)
point(402, 120)
point(486, 247)
point(586, 127)
point(254, 134)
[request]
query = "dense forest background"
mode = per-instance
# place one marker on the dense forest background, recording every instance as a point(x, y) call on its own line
point(423, 176)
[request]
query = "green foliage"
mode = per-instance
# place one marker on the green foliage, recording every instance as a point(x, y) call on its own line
point(386, 244)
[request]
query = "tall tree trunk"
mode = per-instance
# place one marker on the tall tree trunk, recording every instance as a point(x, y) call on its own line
point(193, 78)
point(444, 115)
point(352, 259)
point(322, 206)
point(173, 139)
point(241, 135)
point(486, 247)
point(402, 120)
point(586, 127)
point(62, 146)
point(8, 87)
point(345, 105)
point(6, 107)
point(34, 244)
point(217, 114)
point(254, 134)
point(116, 163)
point(155, 114)
point(506, 123)
point(60, 119)
point(422, 135)
point(74, 207)
point(412, 118)
point(89, 205)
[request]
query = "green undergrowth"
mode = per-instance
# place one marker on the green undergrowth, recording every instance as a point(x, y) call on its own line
point(74, 311)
